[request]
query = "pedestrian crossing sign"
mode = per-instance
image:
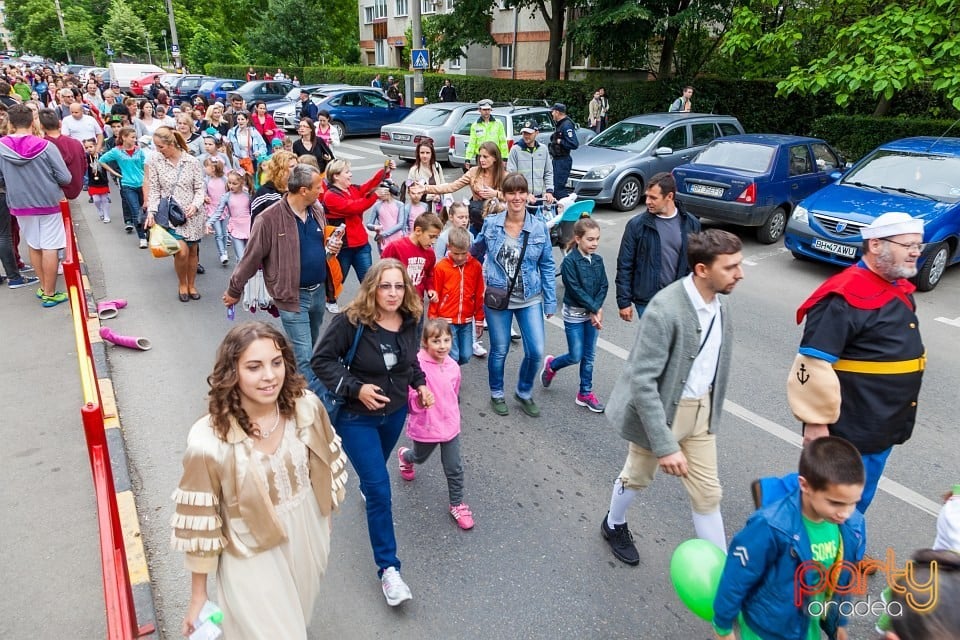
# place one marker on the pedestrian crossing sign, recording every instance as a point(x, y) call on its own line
point(421, 59)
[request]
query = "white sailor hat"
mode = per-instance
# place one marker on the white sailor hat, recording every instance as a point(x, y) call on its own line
point(890, 224)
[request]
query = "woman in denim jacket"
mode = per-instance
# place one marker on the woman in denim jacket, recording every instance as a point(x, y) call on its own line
point(499, 246)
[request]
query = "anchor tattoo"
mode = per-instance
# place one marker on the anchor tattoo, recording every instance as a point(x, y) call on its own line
point(802, 374)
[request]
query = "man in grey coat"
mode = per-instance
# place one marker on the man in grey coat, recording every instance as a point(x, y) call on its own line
point(668, 400)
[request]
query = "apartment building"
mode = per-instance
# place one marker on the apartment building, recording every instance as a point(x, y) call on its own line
point(521, 38)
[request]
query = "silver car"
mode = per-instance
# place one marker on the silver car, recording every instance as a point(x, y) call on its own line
point(614, 166)
point(434, 121)
point(512, 119)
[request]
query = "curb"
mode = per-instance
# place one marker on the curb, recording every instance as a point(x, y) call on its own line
point(137, 569)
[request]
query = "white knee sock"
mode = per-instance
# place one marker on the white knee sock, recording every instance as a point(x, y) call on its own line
point(710, 527)
point(619, 503)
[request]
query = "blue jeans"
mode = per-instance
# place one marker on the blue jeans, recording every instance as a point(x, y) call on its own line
point(873, 465)
point(220, 233)
point(530, 321)
point(239, 244)
point(582, 346)
point(131, 199)
point(303, 329)
point(368, 442)
point(360, 258)
point(462, 347)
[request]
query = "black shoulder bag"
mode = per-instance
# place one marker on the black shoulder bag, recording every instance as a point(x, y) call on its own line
point(333, 400)
point(169, 212)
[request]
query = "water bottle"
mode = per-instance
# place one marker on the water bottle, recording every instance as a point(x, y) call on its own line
point(336, 235)
point(207, 624)
point(231, 313)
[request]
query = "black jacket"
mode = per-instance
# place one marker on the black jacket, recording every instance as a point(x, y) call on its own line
point(638, 263)
point(368, 366)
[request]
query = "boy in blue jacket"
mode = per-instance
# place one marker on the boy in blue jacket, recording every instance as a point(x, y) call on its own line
point(786, 565)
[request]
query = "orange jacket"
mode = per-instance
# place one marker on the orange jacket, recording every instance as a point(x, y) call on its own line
point(459, 291)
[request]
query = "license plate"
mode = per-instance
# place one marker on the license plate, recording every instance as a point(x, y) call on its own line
point(401, 137)
point(835, 248)
point(706, 190)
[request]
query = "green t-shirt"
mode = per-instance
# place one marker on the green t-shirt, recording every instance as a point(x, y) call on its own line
point(824, 547)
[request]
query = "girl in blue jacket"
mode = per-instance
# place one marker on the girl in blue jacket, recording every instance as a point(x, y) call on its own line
point(584, 290)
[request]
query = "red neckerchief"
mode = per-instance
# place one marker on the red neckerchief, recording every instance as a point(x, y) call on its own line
point(862, 289)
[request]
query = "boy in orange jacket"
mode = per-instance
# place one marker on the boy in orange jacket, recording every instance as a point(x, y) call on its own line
point(458, 281)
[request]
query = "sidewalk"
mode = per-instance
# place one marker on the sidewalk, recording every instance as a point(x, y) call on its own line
point(50, 558)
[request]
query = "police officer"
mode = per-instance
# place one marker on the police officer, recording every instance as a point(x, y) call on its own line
point(485, 129)
point(562, 142)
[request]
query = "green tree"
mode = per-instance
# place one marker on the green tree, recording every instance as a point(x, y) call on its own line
point(124, 31)
point(296, 33)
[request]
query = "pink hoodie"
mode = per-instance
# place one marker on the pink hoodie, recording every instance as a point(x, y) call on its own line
point(441, 422)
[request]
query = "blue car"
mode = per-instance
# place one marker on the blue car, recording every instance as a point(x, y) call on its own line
point(361, 110)
point(755, 180)
point(919, 176)
point(216, 89)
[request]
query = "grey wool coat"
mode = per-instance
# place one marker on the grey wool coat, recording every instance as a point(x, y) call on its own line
point(644, 401)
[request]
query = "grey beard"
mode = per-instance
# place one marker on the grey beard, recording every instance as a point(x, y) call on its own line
point(887, 267)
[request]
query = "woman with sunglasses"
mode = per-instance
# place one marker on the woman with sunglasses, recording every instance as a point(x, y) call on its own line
point(382, 319)
point(310, 145)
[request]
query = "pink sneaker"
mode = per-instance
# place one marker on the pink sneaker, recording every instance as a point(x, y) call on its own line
point(462, 514)
point(407, 472)
point(547, 374)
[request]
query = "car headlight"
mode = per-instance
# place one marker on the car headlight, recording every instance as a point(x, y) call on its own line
point(599, 173)
point(800, 214)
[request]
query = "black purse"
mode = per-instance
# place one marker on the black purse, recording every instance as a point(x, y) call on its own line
point(332, 400)
point(499, 299)
point(169, 211)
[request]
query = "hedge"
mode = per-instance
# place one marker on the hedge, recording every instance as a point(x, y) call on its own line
point(754, 102)
point(855, 136)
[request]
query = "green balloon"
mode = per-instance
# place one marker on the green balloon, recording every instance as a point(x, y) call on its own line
point(695, 570)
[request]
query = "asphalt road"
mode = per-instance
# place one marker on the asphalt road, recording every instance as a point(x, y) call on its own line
point(535, 566)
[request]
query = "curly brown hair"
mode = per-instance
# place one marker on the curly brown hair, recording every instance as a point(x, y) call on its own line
point(363, 308)
point(224, 394)
point(277, 169)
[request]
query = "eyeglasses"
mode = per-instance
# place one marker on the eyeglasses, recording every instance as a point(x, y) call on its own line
point(913, 246)
point(386, 286)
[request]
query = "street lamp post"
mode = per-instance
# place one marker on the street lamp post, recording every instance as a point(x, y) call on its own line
point(174, 41)
point(63, 30)
point(166, 52)
point(149, 55)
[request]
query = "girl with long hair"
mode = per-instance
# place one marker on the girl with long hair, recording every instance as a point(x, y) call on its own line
point(310, 144)
point(262, 474)
point(382, 319)
point(426, 170)
point(485, 181)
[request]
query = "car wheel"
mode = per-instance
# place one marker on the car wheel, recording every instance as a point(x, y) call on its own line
point(934, 266)
point(341, 128)
point(772, 230)
point(628, 193)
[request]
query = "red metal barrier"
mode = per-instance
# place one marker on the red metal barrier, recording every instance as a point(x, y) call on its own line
point(117, 591)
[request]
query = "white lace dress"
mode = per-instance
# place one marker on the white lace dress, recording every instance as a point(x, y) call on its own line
point(271, 595)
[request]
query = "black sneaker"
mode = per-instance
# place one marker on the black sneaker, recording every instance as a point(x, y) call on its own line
point(200, 269)
point(621, 542)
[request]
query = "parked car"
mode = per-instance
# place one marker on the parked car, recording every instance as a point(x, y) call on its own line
point(614, 167)
point(288, 116)
point(755, 180)
point(360, 110)
point(434, 121)
point(186, 87)
point(272, 92)
point(920, 176)
point(218, 88)
point(512, 117)
point(125, 73)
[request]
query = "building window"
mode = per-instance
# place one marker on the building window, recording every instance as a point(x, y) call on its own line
point(380, 8)
point(506, 56)
point(380, 52)
point(427, 6)
point(368, 15)
point(401, 8)
point(451, 4)
point(456, 63)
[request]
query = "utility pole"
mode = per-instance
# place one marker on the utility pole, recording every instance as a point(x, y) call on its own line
point(417, 36)
point(174, 42)
point(63, 30)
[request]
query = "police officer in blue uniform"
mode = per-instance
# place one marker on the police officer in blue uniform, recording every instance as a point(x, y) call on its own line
point(562, 142)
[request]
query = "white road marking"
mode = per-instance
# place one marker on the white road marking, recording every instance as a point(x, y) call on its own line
point(348, 156)
point(752, 260)
point(789, 436)
point(953, 323)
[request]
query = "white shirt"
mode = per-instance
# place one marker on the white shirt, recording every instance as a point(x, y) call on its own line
point(85, 128)
point(704, 368)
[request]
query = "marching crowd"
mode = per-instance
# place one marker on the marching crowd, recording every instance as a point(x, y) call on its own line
point(265, 469)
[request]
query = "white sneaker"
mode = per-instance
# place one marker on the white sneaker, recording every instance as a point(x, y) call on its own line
point(106, 220)
point(333, 307)
point(224, 259)
point(143, 243)
point(395, 590)
point(514, 335)
point(478, 349)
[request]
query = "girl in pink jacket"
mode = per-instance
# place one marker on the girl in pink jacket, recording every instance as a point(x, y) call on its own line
point(440, 423)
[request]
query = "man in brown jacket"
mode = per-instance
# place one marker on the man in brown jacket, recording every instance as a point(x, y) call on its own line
point(289, 239)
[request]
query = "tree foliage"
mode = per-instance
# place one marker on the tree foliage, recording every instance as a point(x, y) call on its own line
point(300, 33)
point(124, 31)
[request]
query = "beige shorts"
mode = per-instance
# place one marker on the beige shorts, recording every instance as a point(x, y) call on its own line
point(690, 427)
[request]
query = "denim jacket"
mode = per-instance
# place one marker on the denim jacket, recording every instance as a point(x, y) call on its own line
point(584, 281)
point(758, 578)
point(538, 271)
